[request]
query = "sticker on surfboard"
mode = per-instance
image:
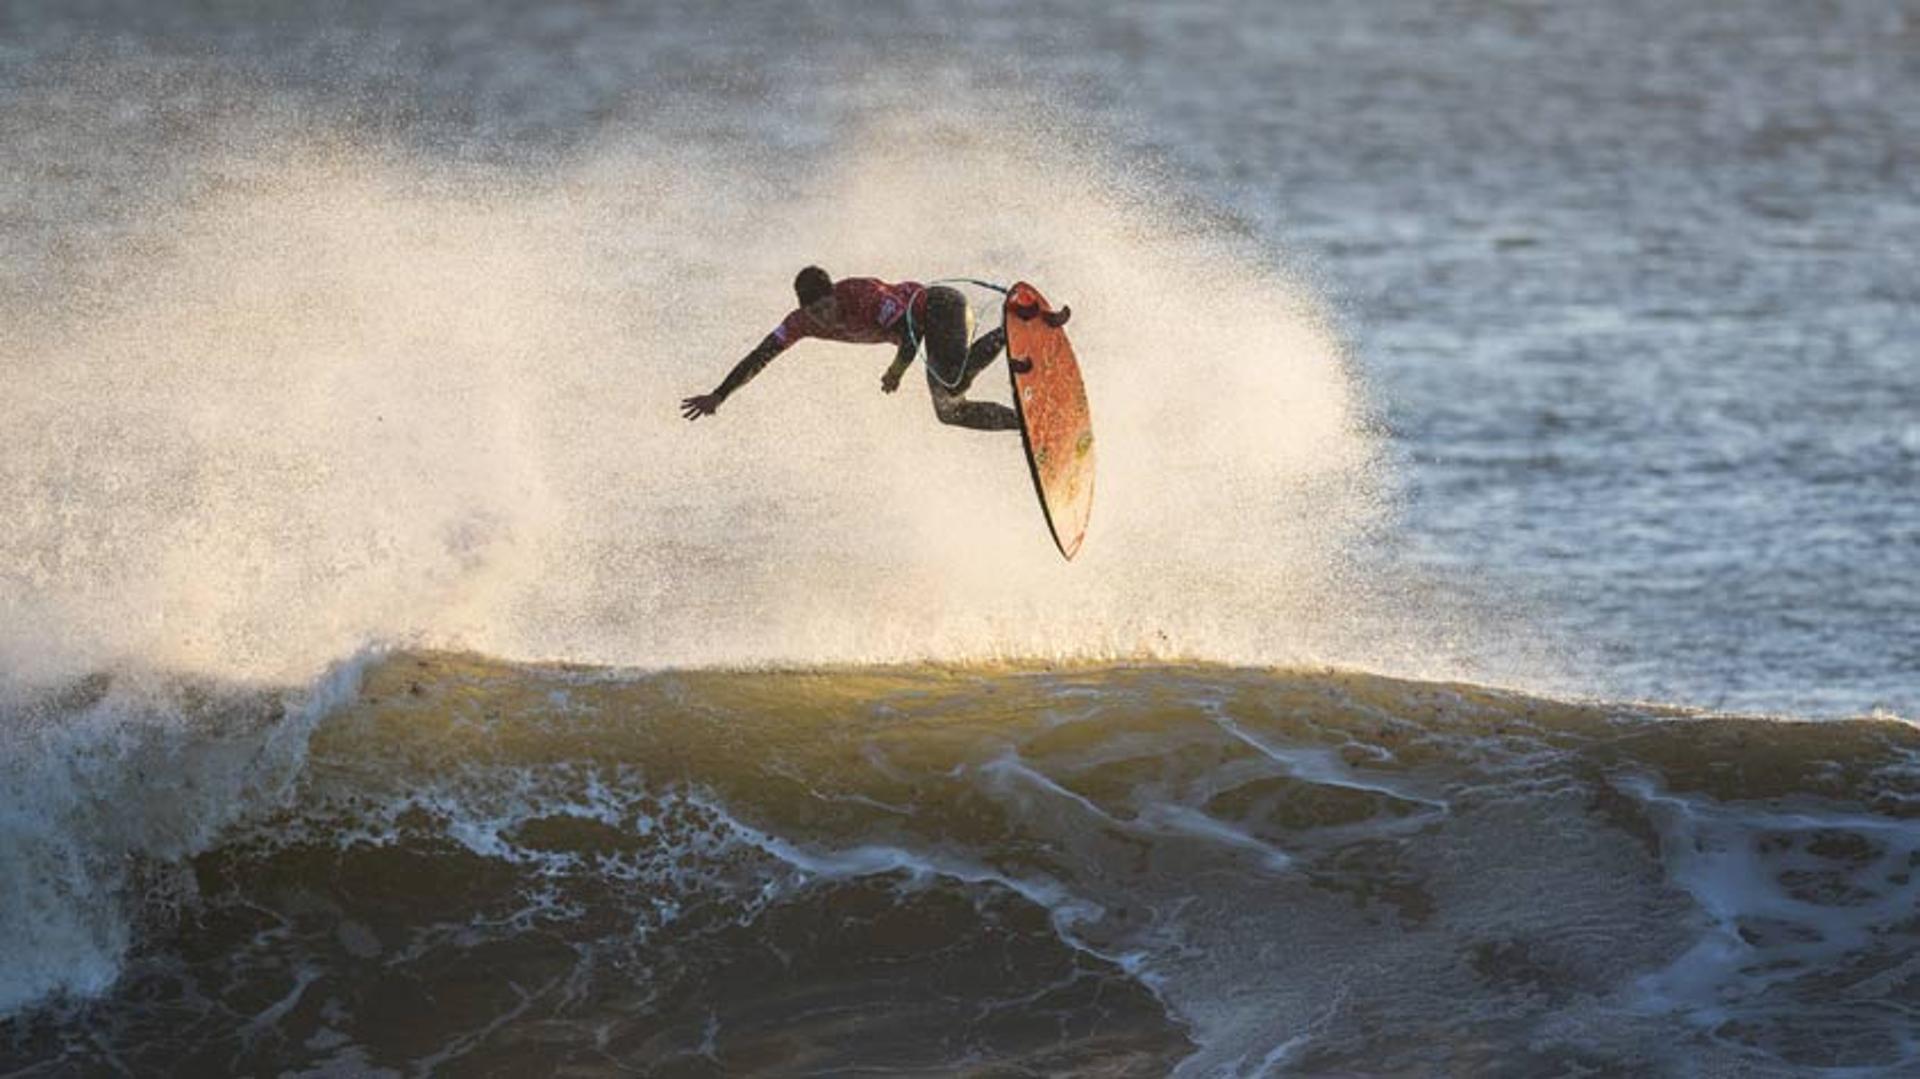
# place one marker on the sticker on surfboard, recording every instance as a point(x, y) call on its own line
point(1054, 422)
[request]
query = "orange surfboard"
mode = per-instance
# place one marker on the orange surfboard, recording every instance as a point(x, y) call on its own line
point(1054, 422)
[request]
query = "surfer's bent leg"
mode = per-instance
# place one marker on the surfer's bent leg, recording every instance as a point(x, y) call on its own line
point(982, 353)
point(951, 365)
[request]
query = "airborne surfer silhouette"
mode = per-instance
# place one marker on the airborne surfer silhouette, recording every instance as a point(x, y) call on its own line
point(869, 311)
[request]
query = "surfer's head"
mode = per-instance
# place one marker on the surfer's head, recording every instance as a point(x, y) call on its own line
point(814, 289)
point(812, 285)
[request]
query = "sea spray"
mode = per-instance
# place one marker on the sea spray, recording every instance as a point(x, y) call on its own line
point(350, 395)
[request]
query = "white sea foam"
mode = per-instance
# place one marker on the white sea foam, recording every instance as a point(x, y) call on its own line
point(1154, 817)
point(137, 778)
point(1758, 932)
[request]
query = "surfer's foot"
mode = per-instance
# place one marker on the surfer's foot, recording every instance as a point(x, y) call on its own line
point(978, 415)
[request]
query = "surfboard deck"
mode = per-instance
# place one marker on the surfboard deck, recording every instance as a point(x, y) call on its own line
point(1055, 424)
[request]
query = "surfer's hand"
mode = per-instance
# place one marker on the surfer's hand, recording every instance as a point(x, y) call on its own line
point(705, 404)
point(890, 380)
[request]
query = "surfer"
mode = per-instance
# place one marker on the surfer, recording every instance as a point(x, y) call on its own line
point(868, 311)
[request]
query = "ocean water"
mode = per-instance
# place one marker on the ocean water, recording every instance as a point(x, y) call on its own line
point(1494, 651)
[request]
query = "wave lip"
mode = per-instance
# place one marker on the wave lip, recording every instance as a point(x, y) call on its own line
point(107, 787)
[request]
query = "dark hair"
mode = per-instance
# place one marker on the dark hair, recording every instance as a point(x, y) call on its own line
point(810, 284)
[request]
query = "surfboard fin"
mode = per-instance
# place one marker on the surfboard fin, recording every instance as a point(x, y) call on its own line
point(1056, 319)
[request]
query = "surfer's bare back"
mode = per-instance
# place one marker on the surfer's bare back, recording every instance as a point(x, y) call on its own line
point(868, 311)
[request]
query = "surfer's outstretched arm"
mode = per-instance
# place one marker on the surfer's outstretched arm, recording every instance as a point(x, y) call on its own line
point(707, 404)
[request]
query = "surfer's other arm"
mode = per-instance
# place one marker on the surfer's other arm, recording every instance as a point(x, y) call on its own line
point(890, 381)
point(707, 404)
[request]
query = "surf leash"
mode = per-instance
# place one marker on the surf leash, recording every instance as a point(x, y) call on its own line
point(1001, 289)
point(914, 334)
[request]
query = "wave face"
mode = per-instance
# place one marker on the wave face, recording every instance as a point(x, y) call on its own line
point(485, 867)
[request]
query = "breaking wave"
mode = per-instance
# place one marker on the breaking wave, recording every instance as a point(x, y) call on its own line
point(1082, 869)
